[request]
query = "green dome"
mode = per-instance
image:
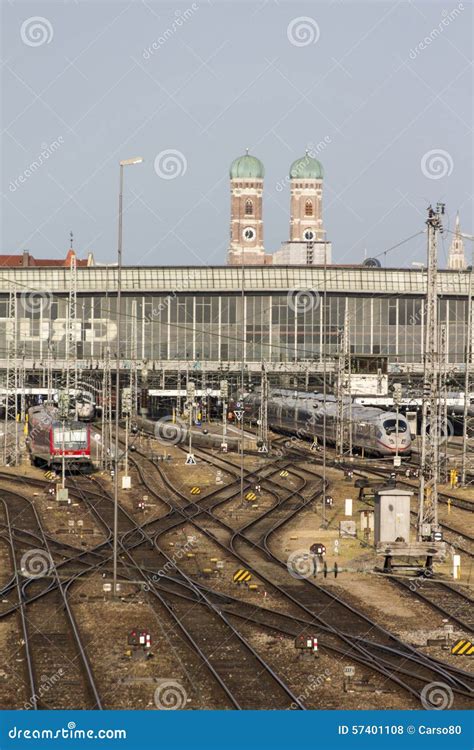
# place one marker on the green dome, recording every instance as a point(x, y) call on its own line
point(306, 168)
point(247, 167)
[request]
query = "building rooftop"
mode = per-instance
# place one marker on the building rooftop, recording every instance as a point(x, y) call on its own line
point(26, 260)
point(206, 279)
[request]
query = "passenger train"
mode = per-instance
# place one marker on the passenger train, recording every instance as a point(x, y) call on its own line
point(374, 431)
point(84, 407)
point(49, 438)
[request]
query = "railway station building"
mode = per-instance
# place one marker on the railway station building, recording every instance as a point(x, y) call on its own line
point(211, 318)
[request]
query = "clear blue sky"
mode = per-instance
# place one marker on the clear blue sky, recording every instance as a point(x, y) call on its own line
point(90, 83)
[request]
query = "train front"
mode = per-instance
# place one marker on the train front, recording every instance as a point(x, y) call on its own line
point(71, 439)
point(395, 437)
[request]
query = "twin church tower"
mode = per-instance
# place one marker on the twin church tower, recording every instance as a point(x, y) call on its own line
point(307, 244)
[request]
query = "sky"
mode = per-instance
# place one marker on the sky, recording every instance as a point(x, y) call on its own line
point(381, 92)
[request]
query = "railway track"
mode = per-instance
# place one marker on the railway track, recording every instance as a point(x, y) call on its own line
point(378, 662)
point(133, 536)
point(446, 599)
point(454, 604)
point(59, 674)
point(237, 667)
point(452, 534)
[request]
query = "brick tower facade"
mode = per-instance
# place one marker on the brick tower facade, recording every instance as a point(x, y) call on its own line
point(306, 215)
point(246, 222)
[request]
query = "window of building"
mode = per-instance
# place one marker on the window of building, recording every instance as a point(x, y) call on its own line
point(308, 208)
point(248, 208)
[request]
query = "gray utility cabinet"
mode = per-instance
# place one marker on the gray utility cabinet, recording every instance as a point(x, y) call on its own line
point(392, 515)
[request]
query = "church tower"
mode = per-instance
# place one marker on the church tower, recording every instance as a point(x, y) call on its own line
point(456, 257)
point(307, 244)
point(306, 215)
point(246, 222)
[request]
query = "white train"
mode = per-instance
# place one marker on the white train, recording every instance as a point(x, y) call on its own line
point(85, 410)
point(373, 430)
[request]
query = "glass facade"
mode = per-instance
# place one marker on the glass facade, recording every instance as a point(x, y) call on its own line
point(215, 327)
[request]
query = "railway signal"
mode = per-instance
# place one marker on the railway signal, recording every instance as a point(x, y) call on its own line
point(349, 673)
point(307, 644)
point(140, 642)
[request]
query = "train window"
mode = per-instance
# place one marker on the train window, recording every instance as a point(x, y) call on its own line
point(390, 426)
point(72, 439)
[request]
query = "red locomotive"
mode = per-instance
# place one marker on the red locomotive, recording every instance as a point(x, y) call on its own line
point(50, 437)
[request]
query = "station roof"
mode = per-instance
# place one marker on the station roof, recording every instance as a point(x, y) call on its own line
point(228, 279)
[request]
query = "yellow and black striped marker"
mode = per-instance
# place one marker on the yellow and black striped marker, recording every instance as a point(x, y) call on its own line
point(462, 647)
point(195, 490)
point(250, 496)
point(242, 576)
point(50, 475)
point(284, 473)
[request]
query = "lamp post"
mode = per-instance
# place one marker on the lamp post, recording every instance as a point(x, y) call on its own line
point(123, 163)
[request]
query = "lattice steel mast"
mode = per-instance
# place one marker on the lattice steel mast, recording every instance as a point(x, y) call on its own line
point(466, 461)
point(343, 390)
point(263, 415)
point(11, 449)
point(133, 362)
point(71, 338)
point(429, 461)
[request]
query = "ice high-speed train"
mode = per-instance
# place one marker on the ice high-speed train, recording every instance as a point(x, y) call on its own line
point(373, 430)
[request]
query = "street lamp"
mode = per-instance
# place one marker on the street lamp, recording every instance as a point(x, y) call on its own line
point(123, 163)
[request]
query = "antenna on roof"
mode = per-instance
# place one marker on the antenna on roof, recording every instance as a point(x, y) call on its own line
point(247, 151)
point(71, 238)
